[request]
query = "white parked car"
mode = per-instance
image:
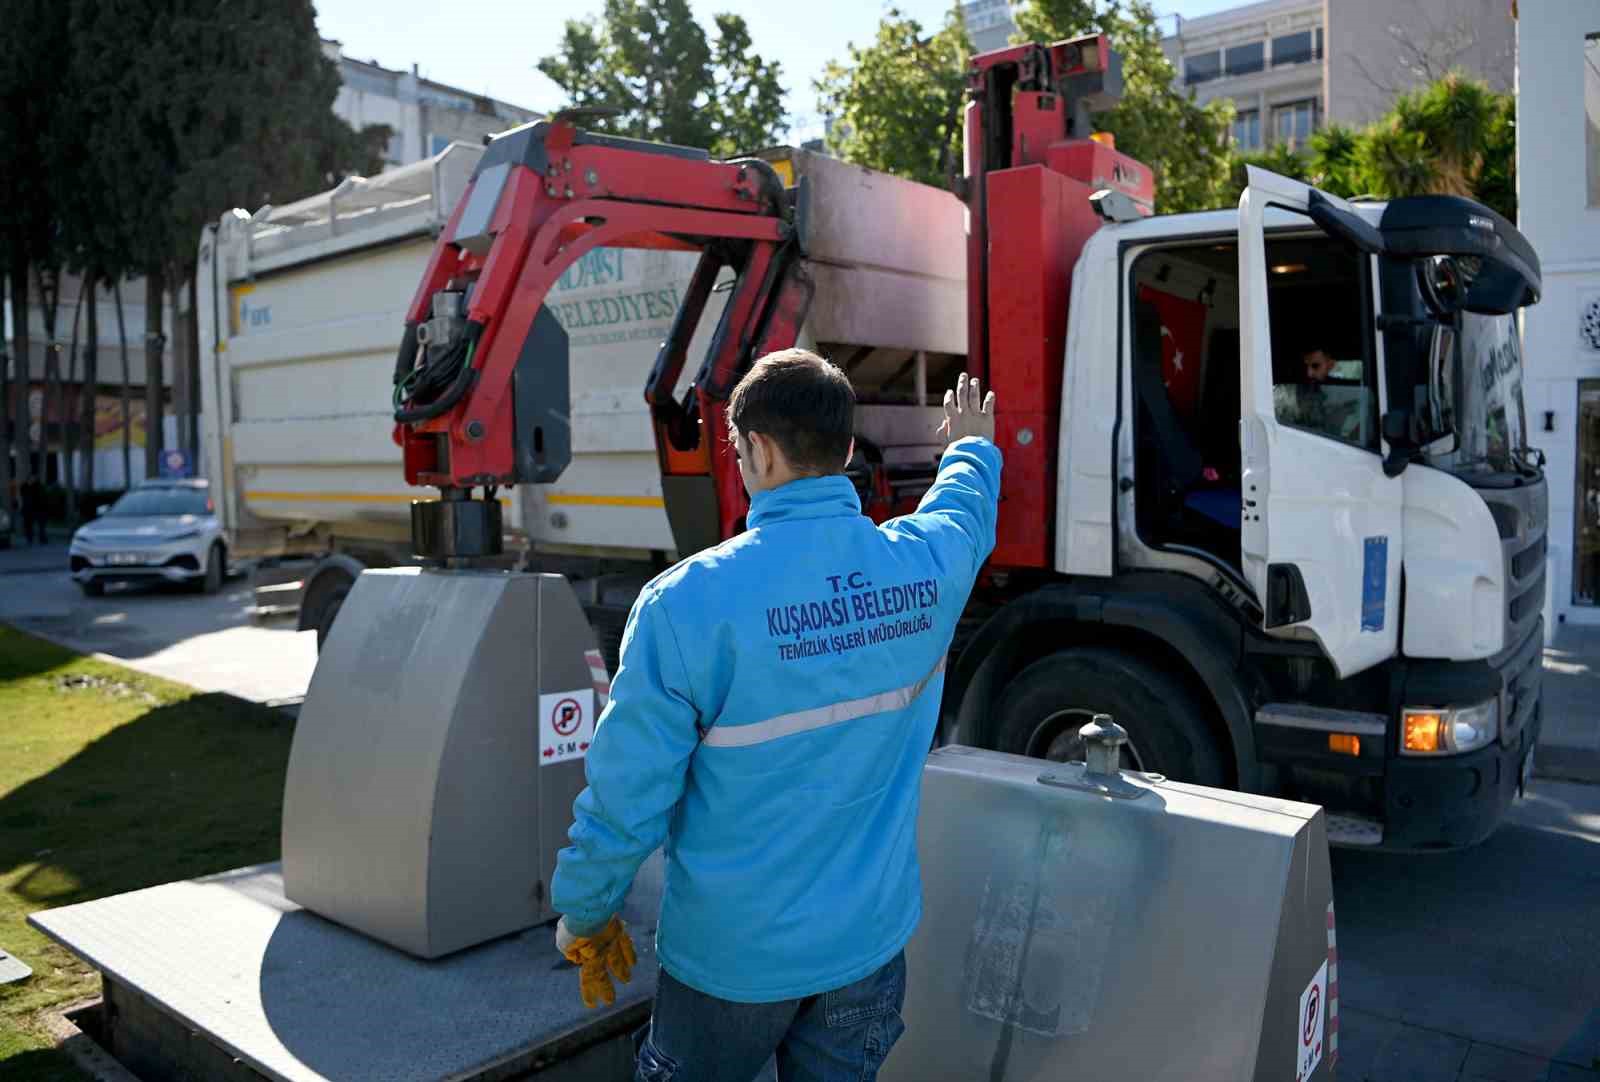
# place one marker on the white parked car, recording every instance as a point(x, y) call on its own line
point(163, 531)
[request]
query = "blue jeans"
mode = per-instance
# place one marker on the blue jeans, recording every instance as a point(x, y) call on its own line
point(839, 1036)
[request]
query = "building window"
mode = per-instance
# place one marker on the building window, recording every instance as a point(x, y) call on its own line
point(1591, 108)
point(1297, 48)
point(1247, 59)
point(1202, 67)
point(1293, 123)
point(1247, 130)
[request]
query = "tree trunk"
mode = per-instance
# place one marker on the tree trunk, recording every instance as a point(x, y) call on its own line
point(69, 445)
point(7, 434)
point(193, 328)
point(155, 343)
point(19, 353)
point(49, 305)
point(89, 388)
point(127, 391)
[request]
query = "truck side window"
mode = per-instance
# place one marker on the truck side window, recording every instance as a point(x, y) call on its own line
point(1323, 362)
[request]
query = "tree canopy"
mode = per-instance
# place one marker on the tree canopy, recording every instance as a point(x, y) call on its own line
point(897, 104)
point(131, 125)
point(1454, 136)
point(652, 60)
point(1156, 122)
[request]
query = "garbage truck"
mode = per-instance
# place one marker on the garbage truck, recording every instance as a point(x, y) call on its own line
point(1268, 498)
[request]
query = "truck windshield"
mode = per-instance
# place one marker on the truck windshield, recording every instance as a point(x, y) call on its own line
point(1486, 389)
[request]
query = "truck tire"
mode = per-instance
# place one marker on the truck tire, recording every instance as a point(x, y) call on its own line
point(1043, 706)
point(325, 590)
point(331, 601)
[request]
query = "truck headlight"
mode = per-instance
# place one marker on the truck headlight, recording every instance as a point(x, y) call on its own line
point(1432, 731)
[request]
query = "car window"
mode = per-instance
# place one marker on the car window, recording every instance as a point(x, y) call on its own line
point(163, 501)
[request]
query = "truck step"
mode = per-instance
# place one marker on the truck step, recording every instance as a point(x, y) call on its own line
point(1353, 830)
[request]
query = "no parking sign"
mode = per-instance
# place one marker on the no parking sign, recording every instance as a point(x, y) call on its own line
point(566, 725)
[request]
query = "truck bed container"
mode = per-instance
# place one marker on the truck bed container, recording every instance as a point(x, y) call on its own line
point(302, 309)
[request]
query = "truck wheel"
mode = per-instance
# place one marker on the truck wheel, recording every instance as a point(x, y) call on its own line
point(331, 602)
point(1043, 707)
point(216, 570)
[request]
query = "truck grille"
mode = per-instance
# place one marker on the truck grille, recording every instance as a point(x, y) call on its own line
point(1521, 514)
point(1523, 673)
point(1528, 560)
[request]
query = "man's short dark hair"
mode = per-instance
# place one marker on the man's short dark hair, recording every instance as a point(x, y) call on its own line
point(803, 404)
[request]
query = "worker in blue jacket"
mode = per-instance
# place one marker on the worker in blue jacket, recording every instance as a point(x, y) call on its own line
point(776, 698)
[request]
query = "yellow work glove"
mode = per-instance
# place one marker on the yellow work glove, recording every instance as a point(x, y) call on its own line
point(609, 949)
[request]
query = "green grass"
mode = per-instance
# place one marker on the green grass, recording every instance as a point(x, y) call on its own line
point(111, 780)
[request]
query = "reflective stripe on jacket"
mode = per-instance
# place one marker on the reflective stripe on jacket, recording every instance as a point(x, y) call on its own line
point(776, 698)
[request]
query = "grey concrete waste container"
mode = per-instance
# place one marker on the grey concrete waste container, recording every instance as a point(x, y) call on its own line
point(437, 756)
point(1086, 928)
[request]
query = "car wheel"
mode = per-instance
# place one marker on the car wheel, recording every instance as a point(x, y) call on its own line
point(1043, 707)
point(92, 588)
point(216, 569)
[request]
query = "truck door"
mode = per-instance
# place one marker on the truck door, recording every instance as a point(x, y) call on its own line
point(1320, 534)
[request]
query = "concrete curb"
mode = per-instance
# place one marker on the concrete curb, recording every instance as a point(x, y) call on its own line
point(81, 1048)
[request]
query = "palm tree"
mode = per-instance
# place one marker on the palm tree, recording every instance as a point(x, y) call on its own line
point(1433, 141)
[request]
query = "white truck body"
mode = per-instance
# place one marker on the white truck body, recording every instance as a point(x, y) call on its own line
point(302, 309)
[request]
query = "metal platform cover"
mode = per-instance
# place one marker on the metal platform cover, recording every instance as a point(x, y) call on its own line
point(1080, 928)
point(13, 968)
point(300, 998)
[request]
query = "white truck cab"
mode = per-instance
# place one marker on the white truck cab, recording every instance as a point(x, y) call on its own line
point(1303, 504)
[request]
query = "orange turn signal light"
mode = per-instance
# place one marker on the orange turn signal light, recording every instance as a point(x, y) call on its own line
point(1344, 743)
point(1423, 731)
point(1105, 139)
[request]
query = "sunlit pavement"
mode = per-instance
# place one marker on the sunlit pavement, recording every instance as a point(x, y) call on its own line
point(206, 642)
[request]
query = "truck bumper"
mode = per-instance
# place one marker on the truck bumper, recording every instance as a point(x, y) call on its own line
point(1413, 803)
point(1454, 802)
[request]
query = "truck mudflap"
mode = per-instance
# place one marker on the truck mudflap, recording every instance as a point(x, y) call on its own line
point(1082, 925)
point(437, 756)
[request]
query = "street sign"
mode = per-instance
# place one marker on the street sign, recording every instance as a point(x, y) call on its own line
point(176, 463)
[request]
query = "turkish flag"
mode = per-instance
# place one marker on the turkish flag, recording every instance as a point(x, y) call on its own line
point(1183, 328)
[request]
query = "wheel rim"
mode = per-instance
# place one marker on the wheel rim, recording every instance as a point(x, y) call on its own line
point(1056, 739)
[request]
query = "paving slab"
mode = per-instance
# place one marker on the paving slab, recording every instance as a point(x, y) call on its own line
point(1496, 944)
point(1569, 746)
point(1486, 1063)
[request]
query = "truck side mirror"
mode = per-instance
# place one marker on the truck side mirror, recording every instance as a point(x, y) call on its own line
point(1397, 426)
point(1398, 434)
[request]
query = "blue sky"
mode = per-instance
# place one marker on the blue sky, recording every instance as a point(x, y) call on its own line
point(491, 46)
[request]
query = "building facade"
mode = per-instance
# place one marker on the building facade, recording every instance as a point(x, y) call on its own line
point(1558, 200)
point(1378, 49)
point(47, 413)
point(1267, 58)
point(426, 116)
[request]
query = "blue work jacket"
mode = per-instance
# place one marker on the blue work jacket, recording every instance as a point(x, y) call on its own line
point(768, 723)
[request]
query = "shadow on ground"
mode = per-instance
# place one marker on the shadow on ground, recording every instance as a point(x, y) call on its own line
point(43, 1065)
point(184, 789)
point(1500, 942)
